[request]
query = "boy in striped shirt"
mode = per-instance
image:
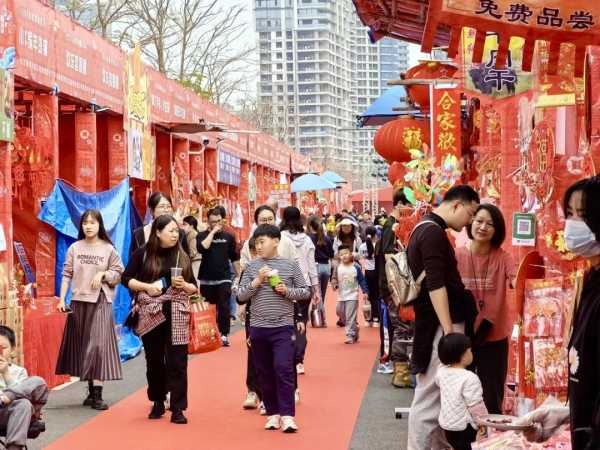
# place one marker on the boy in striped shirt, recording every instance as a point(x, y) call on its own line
point(273, 284)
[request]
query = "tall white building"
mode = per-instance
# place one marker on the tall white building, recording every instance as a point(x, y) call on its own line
point(317, 72)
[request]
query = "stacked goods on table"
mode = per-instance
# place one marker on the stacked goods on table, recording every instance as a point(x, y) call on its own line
point(512, 440)
point(548, 304)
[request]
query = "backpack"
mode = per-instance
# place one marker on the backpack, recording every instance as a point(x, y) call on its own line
point(404, 289)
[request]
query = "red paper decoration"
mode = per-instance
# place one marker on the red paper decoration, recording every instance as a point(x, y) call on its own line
point(394, 140)
point(427, 70)
point(396, 173)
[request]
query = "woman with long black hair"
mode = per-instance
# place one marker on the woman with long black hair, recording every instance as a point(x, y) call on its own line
point(161, 276)
point(89, 347)
point(367, 254)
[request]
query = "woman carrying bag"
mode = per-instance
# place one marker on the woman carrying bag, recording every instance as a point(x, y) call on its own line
point(89, 347)
point(161, 276)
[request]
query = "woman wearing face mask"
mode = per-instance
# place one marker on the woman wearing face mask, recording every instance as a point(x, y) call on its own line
point(487, 271)
point(582, 230)
point(162, 299)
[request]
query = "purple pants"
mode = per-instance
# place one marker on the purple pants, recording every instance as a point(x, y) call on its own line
point(273, 352)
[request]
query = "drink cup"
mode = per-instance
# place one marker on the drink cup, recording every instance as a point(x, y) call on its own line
point(176, 272)
point(274, 279)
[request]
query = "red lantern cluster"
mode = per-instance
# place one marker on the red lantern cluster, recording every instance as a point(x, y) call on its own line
point(395, 139)
point(427, 70)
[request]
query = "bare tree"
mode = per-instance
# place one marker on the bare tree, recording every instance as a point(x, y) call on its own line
point(102, 16)
point(277, 121)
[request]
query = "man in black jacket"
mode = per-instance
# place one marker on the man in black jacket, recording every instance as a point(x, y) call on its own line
point(443, 306)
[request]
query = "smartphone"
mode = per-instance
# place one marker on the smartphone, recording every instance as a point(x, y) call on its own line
point(67, 309)
point(163, 282)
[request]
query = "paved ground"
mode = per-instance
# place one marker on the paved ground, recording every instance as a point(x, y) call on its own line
point(376, 427)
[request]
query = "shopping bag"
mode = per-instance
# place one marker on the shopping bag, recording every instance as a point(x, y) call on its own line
point(204, 333)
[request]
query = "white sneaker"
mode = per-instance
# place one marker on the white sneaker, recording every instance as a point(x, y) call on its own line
point(386, 368)
point(376, 324)
point(297, 396)
point(300, 369)
point(261, 409)
point(251, 401)
point(289, 424)
point(273, 422)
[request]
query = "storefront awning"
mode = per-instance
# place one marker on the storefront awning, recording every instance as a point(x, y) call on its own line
point(434, 23)
point(389, 106)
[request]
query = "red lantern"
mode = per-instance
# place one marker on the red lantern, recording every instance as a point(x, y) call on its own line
point(394, 140)
point(396, 173)
point(426, 70)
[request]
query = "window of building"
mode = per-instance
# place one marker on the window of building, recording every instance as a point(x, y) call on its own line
point(279, 66)
point(279, 77)
point(278, 55)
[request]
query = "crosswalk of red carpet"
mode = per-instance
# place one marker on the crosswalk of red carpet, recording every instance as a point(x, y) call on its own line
point(331, 393)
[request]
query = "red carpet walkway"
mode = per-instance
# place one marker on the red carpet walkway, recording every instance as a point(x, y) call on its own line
point(331, 394)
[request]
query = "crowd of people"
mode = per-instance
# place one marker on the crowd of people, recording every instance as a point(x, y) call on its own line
point(452, 349)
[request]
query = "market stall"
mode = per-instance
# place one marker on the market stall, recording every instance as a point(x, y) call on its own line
point(514, 107)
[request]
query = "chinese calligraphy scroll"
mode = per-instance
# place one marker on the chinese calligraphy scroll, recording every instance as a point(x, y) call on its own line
point(446, 124)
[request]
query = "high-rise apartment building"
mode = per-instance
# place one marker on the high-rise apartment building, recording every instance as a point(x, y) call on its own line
point(318, 70)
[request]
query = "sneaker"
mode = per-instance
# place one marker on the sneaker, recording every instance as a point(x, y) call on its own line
point(376, 324)
point(385, 368)
point(350, 340)
point(289, 424)
point(273, 422)
point(225, 341)
point(297, 396)
point(261, 409)
point(340, 324)
point(251, 401)
point(300, 369)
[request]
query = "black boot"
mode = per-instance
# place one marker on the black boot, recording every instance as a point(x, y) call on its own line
point(89, 400)
point(98, 403)
point(157, 411)
point(178, 417)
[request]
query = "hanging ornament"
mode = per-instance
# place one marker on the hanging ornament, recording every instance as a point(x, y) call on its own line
point(396, 173)
point(426, 70)
point(395, 139)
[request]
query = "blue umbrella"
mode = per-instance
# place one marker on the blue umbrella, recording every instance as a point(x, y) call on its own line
point(311, 182)
point(382, 109)
point(333, 177)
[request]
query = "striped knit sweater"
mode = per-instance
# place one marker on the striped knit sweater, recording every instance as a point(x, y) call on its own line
point(269, 309)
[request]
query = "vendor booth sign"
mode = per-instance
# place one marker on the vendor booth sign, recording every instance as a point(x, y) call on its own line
point(140, 142)
point(7, 105)
point(229, 169)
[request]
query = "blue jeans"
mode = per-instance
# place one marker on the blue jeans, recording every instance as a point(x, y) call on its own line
point(324, 271)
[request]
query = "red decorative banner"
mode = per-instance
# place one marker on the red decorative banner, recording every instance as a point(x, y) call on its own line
point(117, 152)
point(180, 176)
point(85, 151)
point(446, 123)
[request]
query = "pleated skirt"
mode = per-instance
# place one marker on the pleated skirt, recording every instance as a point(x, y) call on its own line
point(89, 348)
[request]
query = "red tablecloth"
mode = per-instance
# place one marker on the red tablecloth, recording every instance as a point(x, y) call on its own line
point(42, 335)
